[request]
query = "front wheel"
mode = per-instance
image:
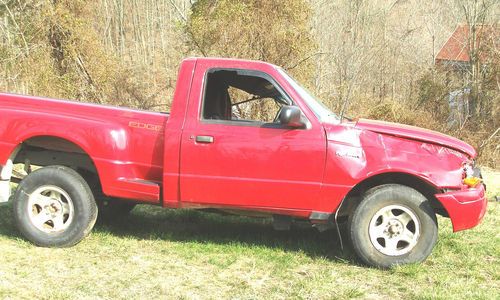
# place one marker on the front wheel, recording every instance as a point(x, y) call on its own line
point(54, 207)
point(393, 224)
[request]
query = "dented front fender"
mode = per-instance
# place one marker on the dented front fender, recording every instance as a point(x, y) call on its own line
point(356, 154)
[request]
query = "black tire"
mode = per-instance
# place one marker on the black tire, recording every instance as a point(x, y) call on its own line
point(84, 209)
point(402, 203)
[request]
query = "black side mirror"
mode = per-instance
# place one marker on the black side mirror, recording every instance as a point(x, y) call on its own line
point(291, 116)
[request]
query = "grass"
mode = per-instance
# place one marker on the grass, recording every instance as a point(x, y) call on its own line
point(157, 253)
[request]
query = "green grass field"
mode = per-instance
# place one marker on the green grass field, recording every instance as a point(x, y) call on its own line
point(156, 253)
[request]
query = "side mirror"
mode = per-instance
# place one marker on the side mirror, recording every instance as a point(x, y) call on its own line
point(291, 116)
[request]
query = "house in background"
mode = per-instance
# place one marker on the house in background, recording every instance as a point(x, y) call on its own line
point(454, 57)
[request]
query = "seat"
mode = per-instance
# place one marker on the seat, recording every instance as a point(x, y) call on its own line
point(217, 103)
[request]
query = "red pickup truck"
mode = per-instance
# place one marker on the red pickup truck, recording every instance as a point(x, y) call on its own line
point(243, 137)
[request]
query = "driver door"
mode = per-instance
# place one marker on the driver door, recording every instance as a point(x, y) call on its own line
point(236, 154)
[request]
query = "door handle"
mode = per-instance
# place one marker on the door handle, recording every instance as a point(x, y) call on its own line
point(204, 139)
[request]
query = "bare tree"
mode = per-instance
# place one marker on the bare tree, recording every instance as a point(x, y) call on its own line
point(477, 15)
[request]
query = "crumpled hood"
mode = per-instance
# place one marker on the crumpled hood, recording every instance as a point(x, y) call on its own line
point(416, 133)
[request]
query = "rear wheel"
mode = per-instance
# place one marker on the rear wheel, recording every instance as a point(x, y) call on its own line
point(54, 207)
point(393, 225)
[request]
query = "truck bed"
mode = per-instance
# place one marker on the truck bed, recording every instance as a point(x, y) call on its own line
point(125, 145)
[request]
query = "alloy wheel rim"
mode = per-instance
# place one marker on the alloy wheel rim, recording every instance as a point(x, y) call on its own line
point(394, 230)
point(50, 209)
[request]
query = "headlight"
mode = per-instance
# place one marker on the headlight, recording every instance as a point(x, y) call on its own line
point(468, 169)
point(468, 175)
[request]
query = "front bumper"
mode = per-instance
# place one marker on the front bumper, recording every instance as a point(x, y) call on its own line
point(466, 207)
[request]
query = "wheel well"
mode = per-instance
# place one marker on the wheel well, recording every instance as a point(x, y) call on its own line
point(49, 150)
point(353, 198)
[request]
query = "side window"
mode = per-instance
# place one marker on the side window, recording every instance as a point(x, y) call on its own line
point(234, 95)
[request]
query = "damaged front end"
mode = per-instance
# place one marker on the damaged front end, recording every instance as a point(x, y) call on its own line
point(467, 205)
point(379, 152)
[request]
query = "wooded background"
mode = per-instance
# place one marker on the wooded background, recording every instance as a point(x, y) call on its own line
point(369, 58)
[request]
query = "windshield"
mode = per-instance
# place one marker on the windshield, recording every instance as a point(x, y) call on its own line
point(320, 110)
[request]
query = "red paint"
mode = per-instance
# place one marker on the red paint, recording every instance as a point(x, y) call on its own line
point(154, 157)
point(466, 207)
point(419, 134)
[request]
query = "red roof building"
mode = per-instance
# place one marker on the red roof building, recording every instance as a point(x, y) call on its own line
point(456, 49)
